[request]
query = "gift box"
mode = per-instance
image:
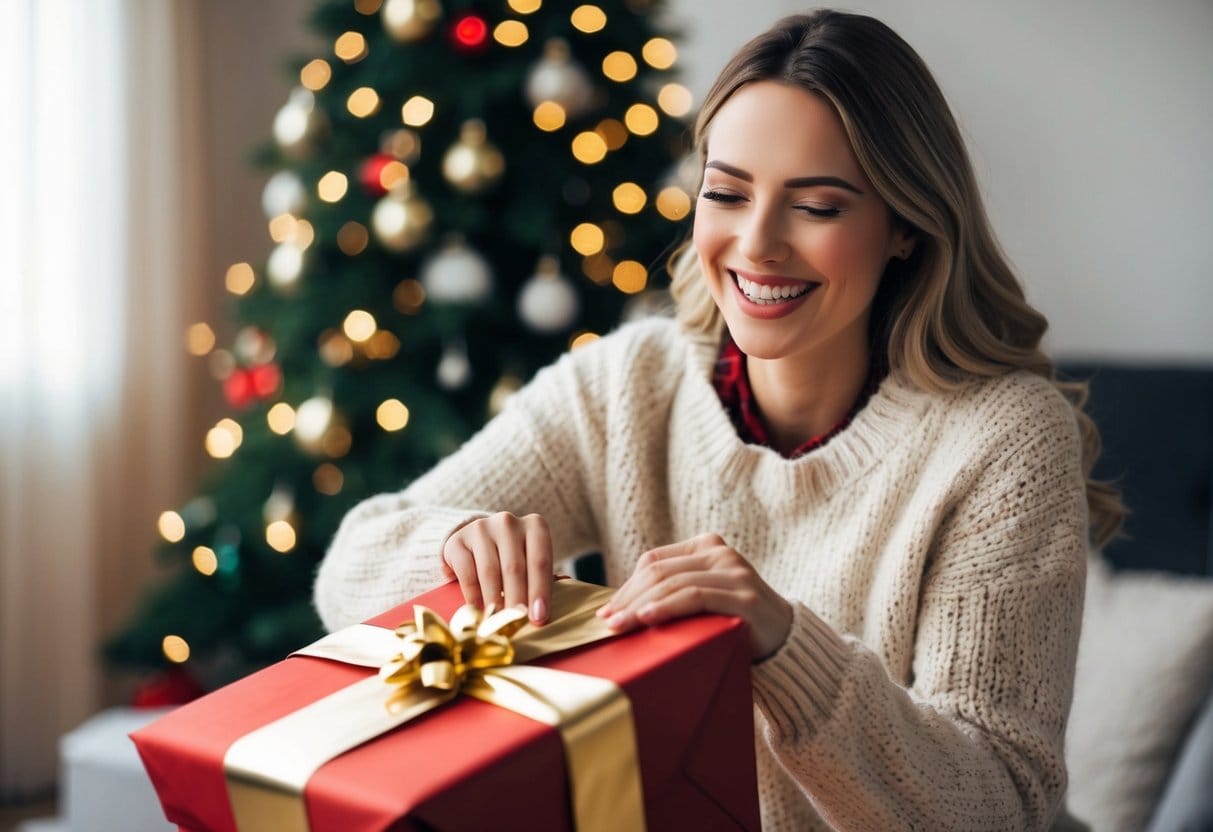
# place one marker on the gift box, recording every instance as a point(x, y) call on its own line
point(472, 765)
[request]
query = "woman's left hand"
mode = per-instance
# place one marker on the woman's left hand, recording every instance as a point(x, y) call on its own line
point(703, 574)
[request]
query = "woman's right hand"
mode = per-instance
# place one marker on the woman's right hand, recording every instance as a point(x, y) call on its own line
point(503, 559)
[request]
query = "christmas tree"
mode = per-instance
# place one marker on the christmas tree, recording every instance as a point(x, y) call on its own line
point(467, 189)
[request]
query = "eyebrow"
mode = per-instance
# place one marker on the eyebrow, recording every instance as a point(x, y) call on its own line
point(796, 182)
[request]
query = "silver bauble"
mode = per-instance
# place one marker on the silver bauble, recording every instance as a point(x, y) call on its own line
point(456, 274)
point(548, 303)
point(557, 77)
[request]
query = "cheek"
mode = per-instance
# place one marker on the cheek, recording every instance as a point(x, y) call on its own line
point(709, 240)
point(703, 235)
point(844, 252)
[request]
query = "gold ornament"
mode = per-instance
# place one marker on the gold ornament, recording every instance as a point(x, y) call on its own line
point(402, 218)
point(410, 20)
point(556, 77)
point(473, 164)
point(299, 125)
point(404, 144)
point(503, 390)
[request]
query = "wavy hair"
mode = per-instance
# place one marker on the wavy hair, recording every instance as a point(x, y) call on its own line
point(954, 310)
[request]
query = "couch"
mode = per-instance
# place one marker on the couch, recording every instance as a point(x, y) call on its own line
point(1140, 739)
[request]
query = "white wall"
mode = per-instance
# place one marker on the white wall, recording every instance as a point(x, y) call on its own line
point(1090, 123)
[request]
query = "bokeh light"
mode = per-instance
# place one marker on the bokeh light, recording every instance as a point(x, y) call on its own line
point(171, 526)
point(619, 66)
point(659, 53)
point(417, 111)
point(281, 418)
point(588, 19)
point(589, 148)
point(176, 649)
point(392, 415)
point(199, 339)
point(629, 198)
point(630, 277)
point(239, 278)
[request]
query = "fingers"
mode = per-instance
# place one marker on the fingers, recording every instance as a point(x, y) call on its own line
point(652, 571)
point(539, 567)
point(701, 553)
point(680, 594)
point(459, 559)
point(503, 559)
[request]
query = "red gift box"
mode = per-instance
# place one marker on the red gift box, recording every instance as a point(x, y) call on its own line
point(470, 765)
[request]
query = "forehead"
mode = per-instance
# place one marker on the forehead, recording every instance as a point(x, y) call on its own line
point(768, 127)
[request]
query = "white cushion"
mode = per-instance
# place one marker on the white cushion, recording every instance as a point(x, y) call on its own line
point(1145, 665)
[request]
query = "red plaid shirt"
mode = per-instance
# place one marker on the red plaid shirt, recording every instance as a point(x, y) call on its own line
point(733, 386)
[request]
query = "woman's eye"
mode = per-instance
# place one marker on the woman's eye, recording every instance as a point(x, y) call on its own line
point(721, 196)
point(819, 210)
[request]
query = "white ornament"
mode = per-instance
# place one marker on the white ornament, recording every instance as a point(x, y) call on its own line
point(312, 421)
point(456, 274)
point(548, 303)
point(284, 266)
point(557, 77)
point(454, 369)
point(298, 124)
point(285, 193)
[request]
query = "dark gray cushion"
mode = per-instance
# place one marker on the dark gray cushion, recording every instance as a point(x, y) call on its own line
point(1186, 804)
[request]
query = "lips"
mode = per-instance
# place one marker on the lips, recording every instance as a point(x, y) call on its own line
point(769, 296)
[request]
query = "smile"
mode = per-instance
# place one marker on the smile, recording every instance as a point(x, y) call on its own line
point(770, 297)
point(764, 294)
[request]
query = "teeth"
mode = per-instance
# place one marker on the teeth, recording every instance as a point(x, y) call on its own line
point(763, 294)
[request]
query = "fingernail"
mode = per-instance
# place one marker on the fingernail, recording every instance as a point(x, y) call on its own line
point(604, 611)
point(539, 611)
point(617, 620)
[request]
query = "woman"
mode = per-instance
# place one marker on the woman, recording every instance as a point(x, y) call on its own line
point(850, 438)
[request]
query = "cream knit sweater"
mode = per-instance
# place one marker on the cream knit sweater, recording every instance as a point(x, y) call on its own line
point(934, 552)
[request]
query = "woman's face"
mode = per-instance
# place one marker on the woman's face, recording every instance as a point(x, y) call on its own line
point(791, 236)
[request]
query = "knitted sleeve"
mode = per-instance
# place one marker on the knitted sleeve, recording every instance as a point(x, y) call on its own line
point(975, 741)
point(388, 548)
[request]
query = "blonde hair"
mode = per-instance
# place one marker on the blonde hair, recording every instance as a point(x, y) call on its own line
point(954, 310)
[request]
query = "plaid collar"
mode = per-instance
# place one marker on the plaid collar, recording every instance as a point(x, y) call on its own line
point(732, 385)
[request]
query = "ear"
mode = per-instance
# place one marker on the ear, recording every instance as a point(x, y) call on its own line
point(902, 241)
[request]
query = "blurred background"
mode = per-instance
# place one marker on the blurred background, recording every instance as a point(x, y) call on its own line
point(130, 134)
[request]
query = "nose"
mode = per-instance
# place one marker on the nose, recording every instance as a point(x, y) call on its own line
point(762, 238)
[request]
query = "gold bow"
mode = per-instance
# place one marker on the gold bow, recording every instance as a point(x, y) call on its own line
point(267, 769)
point(442, 657)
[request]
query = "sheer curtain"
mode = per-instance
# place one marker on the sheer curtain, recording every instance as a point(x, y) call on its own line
point(99, 253)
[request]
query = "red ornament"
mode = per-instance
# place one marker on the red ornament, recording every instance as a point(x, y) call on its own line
point(238, 388)
point(266, 379)
point(371, 171)
point(470, 32)
point(174, 686)
point(247, 385)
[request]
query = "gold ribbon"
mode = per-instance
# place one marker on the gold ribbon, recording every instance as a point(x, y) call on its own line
point(477, 655)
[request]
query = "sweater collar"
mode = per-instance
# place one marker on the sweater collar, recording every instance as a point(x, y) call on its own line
point(888, 419)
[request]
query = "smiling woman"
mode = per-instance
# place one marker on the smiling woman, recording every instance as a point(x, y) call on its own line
point(807, 250)
point(850, 439)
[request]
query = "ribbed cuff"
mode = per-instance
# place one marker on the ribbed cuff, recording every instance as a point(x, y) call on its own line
point(797, 686)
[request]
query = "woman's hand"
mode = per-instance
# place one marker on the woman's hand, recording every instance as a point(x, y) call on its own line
point(703, 574)
point(503, 559)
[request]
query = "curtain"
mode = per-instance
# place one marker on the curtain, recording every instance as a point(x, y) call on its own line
point(99, 250)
